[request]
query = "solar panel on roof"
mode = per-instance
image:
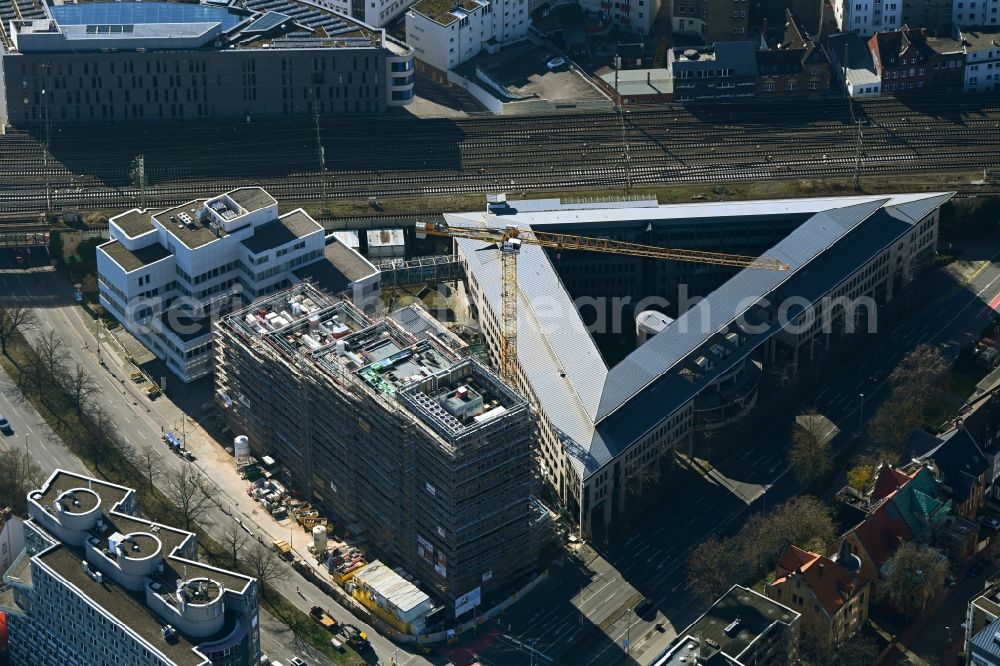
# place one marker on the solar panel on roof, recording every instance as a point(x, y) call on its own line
point(267, 22)
point(134, 13)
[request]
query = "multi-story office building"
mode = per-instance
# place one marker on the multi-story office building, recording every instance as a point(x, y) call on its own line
point(97, 584)
point(726, 69)
point(606, 421)
point(164, 274)
point(446, 33)
point(112, 62)
point(384, 423)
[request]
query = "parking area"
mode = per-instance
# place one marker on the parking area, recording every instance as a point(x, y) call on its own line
point(530, 71)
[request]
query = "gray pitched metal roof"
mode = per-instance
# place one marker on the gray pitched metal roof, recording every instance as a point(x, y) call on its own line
point(584, 400)
point(711, 315)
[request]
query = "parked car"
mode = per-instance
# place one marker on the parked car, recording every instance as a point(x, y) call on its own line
point(296, 661)
point(5, 426)
point(556, 63)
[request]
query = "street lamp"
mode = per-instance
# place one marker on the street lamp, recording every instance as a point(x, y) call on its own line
point(861, 415)
point(628, 632)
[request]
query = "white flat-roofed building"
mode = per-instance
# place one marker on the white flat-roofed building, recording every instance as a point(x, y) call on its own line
point(96, 584)
point(164, 274)
point(982, 58)
point(446, 33)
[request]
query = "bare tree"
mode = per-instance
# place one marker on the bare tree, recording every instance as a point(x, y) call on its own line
point(14, 319)
point(52, 352)
point(915, 574)
point(713, 567)
point(98, 438)
point(19, 475)
point(150, 462)
point(185, 488)
point(921, 372)
point(809, 454)
point(893, 421)
point(79, 387)
point(234, 539)
point(265, 565)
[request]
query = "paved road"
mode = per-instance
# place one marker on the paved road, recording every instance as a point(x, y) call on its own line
point(653, 559)
point(140, 422)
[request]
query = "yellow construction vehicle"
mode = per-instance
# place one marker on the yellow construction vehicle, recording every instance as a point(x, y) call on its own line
point(509, 239)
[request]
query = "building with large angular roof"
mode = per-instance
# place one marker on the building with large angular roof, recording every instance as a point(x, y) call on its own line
point(603, 422)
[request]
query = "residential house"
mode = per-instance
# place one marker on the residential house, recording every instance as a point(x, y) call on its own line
point(902, 58)
point(794, 66)
point(724, 70)
point(980, 417)
point(852, 65)
point(830, 595)
point(947, 66)
point(875, 539)
point(957, 463)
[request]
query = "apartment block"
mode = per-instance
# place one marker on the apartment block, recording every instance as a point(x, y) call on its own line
point(97, 584)
point(164, 274)
point(866, 17)
point(972, 13)
point(712, 20)
point(384, 423)
point(446, 33)
point(723, 70)
point(982, 58)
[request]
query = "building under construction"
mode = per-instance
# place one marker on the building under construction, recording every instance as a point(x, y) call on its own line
point(386, 424)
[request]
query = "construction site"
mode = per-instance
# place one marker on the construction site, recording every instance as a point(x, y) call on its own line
point(383, 438)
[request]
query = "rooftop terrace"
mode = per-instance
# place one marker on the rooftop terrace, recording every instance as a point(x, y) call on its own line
point(445, 12)
point(131, 260)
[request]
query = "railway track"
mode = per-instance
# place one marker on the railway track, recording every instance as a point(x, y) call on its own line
point(397, 157)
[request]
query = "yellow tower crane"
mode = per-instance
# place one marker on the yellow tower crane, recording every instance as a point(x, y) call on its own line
point(509, 239)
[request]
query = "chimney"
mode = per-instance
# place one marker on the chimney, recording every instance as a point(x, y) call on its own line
point(820, 569)
point(648, 77)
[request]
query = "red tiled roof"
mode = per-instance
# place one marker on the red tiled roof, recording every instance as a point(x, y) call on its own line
point(882, 532)
point(889, 481)
point(831, 583)
point(792, 558)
